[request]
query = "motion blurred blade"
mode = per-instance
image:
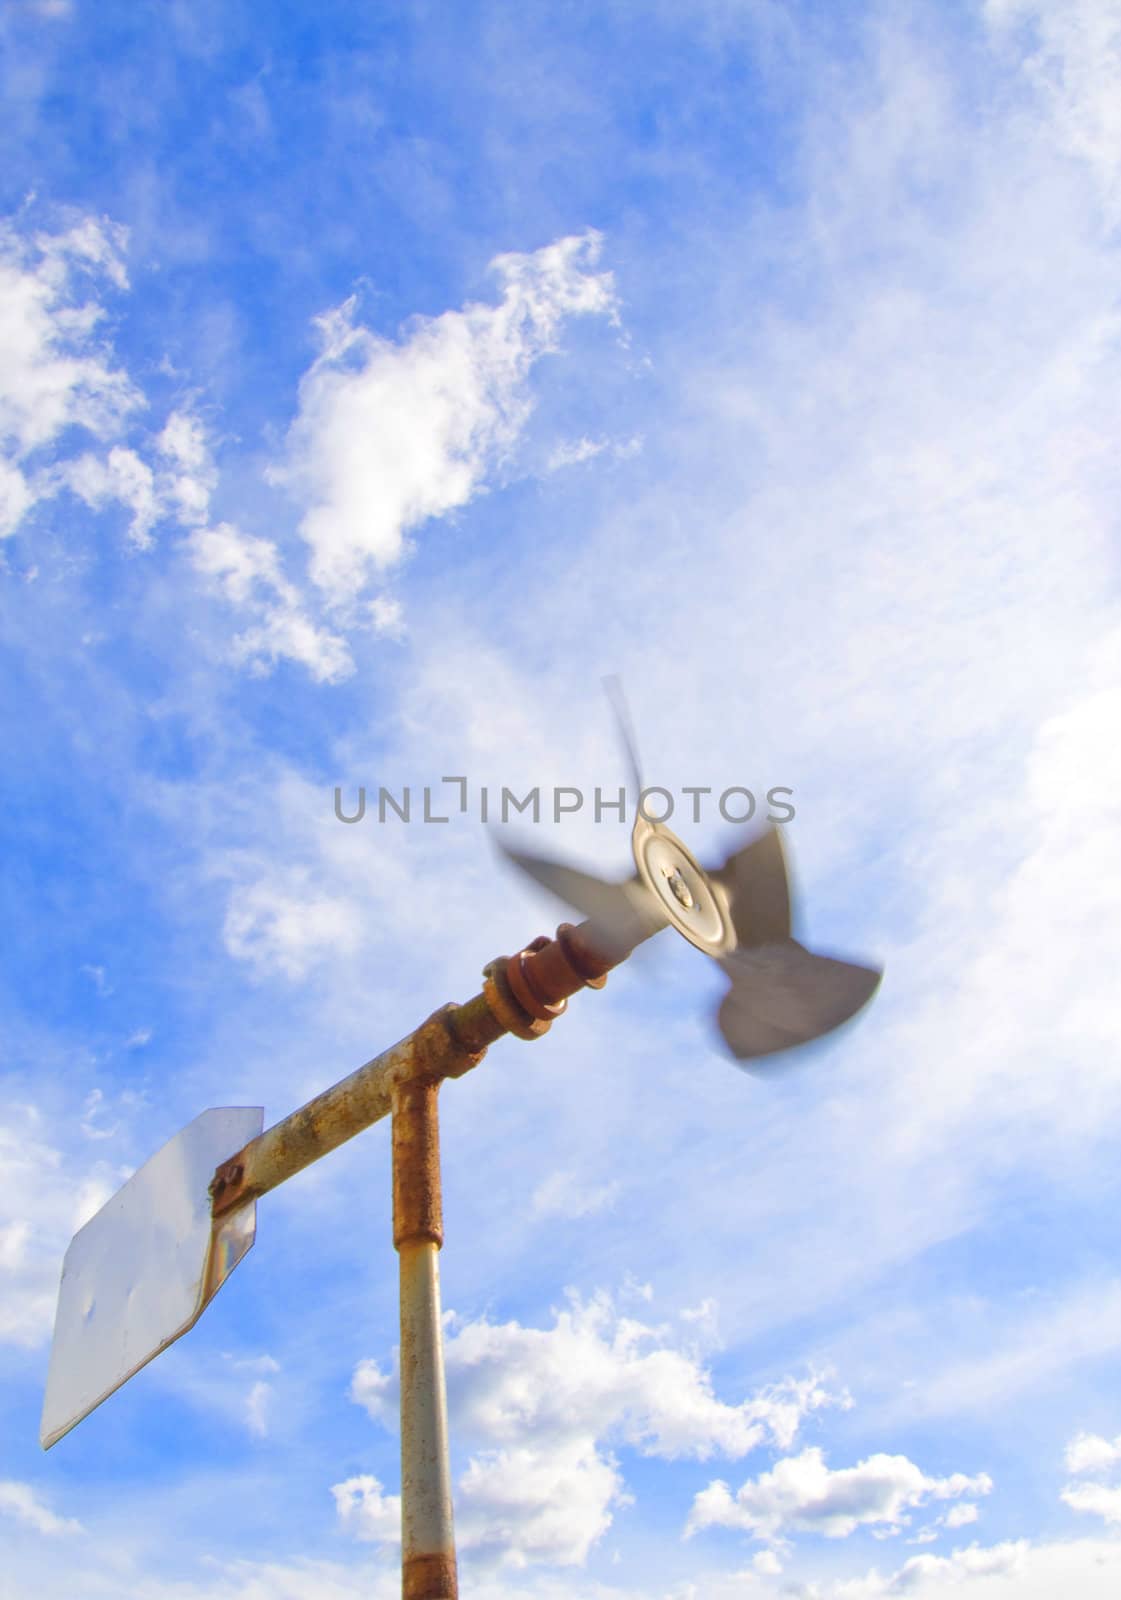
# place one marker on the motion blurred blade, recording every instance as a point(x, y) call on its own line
point(782, 996)
point(613, 688)
point(757, 884)
point(623, 913)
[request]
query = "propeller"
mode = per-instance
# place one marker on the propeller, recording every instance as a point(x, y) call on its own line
point(782, 995)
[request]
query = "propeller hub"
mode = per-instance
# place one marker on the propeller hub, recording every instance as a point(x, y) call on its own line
point(686, 897)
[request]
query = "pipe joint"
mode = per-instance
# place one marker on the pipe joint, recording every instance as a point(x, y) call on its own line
point(417, 1203)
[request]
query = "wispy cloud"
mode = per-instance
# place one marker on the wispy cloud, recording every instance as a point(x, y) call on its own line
point(249, 573)
point(56, 373)
point(21, 1501)
point(390, 434)
point(286, 924)
point(1072, 58)
point(44, 1200)
point(561, 1194)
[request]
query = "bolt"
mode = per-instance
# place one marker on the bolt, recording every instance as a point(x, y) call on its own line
point(227, 1177)
point(681, 890)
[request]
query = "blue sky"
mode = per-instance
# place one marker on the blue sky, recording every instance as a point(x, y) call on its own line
point(373, 380)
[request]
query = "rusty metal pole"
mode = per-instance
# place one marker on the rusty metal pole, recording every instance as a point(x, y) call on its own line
point(428, 1566)
point(523, 995)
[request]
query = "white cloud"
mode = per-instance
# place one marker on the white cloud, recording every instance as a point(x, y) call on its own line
point(21, 1501)
point(532, 1504)
point(286, 633)
point(937, 1575)
point(248, 572)
point(96, 242)
point(53, 375)
point(13, 1244)
point(265, 1363)
point(120, 476)
point(386, 617)
point(1014, 1570)
point(573, 452)
point(91, 1193)
point(257, 1404)
point(389, 435)
point(597, 1373)
point(237, 1391)
point(43, 1202)
point(1094, 1498)
point(189, 478)
point(375, 1391)
point(959, 1516)
point(366, 1512)
point(176, 482)
point(800, 1493)
point(514, 1507)
point(1089, 1452)
point(541, 1407)
point(704, 1323)
point(240, 561)
point(280, 923)
point(93, 1108)
point(16, 497)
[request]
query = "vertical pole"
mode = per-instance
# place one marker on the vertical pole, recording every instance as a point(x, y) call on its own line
point(428, 1566)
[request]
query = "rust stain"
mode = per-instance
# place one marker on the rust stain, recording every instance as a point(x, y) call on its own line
point(429, 1577)
point(417, 1207)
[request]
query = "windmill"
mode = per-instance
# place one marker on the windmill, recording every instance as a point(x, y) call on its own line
point(141, 1271)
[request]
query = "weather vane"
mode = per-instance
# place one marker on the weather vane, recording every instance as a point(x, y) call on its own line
point(140, 1273)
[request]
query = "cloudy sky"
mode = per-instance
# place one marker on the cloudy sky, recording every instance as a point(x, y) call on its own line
point(373, 381)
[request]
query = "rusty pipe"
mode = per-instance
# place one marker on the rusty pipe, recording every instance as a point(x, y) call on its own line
point(428, 1564)
point(522, 995)
point(432, 1050)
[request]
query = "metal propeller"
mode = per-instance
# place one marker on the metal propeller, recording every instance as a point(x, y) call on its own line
point(781, 995)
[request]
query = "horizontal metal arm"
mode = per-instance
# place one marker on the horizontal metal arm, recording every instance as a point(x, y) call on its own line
point(521, 995)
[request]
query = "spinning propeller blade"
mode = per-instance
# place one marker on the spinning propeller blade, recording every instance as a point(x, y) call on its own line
point(783, 996)
point(740, 914)
point(621, 913)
